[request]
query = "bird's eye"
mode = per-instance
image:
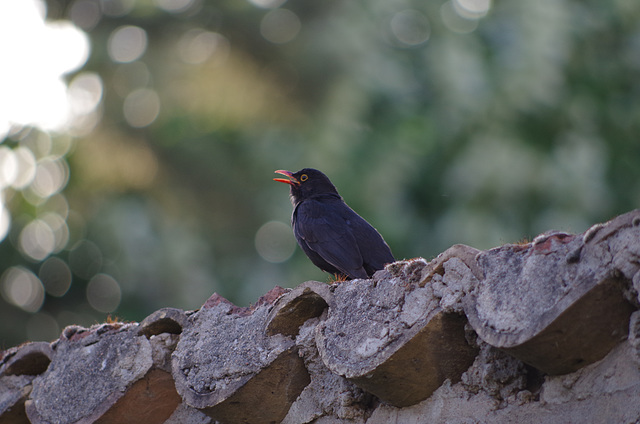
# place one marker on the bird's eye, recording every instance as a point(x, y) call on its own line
point(303, 177)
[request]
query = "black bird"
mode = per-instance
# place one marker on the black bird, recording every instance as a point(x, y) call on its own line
point(334, 237)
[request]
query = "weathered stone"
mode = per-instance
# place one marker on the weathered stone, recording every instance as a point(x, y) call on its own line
point(415, 370)
point(603, 392)
point(14, 391)
point(90, 375)
point(559, 302)
point(267, 299)
point(165, 320)
point(582, 334)
point(466, 254)
point(162, 346)
point(634, 336)
point(496, 373)
point(225, 362)
point(18, 368)
point(390, 337)
point(29, 359)
point(306, 301)
point(328, 395)
point(550, 317)
point(151, 399)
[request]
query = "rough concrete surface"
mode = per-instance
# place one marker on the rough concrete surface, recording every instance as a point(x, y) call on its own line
point(562, 301)
point(224, 360)
point(389, 337)
point(602, 393)
point(89, 374)
point(327, 394)
point(14, 390)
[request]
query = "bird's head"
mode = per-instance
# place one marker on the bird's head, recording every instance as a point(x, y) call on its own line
point(306, 183)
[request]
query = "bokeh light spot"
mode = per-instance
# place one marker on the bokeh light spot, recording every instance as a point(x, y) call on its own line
point(103, 293)
point(141, 107)
point(38, 142)
point(32, 85)
point(85, 93)
point(410, 27)
point(275, 242)
point(59, 205)
point(268, 4)
point(22, 288)
point(116, 7)
point(55, 276)
point(8, 167)
point(127, 43)
point(174, 6)
point(60, 229)
point(85, 13)
point(5, 221)
point(26, 163)
point(196, 46)
point(456, 23)
point(472, 9)
point(280, 26)
point(51, 177)
point(37, 240)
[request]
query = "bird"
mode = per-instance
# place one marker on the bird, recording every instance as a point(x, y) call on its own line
point(334, 237)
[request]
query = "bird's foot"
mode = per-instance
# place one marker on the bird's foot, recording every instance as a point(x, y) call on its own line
point(338, 278)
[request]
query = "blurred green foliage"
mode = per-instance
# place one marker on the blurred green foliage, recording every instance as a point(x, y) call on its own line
point(440, 122)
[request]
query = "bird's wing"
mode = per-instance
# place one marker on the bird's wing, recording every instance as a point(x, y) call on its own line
point(323, 228)
point(375, 251)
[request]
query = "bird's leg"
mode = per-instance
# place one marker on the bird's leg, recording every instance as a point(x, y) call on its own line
point(338, 278)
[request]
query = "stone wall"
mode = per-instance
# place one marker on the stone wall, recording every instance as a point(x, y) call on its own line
point(545, 331)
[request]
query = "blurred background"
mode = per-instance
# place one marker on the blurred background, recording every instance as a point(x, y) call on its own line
point(138, 138)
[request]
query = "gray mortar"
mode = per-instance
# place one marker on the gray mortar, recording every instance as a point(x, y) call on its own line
point(328, 394)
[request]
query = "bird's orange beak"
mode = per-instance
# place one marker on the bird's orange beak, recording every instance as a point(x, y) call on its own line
point(291, 180)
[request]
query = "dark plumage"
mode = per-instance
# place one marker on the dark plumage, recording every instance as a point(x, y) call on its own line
point(334, 237)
